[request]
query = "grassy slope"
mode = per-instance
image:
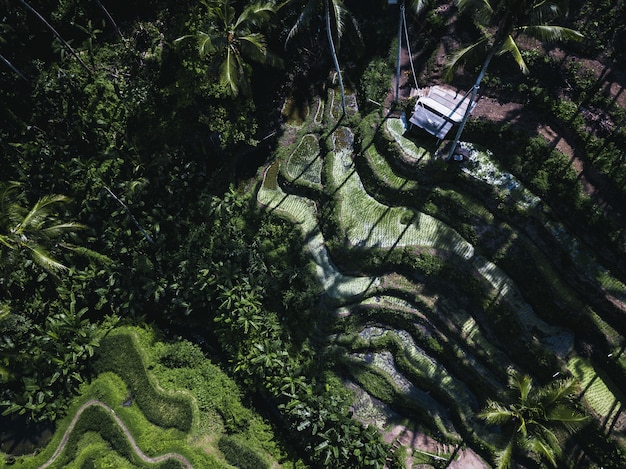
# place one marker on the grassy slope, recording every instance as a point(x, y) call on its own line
point(460, 337)
point(201, 399)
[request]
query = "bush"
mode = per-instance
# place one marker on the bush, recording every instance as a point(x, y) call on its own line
point(375, 83)
point(160, 409)
point(239, 454)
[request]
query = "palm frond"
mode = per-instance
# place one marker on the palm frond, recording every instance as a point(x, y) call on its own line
point(496, 413)
point(569, 418)
point(510, 46)
point(41, 210)
point(253, 46)
point(545, 446)
point(256, 14)
point(5, 195)
point(305, 17)
point(59, 229)
point(418, 6)
point(229, 72)
point(557, 391)
point(461, 56)
point(89, 253)
point(551, 33)
point(6, 241)
point(205, 44)
point(505, 457)
point(45, 260)
point(521, 383)
point(338, 14)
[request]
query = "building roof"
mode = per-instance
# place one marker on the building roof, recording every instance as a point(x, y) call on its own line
point(440, 110)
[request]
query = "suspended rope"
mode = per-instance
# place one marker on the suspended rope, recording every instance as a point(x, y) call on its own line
point(408, 47)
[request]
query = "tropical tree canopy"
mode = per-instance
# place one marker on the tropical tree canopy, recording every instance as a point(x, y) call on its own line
point(337, 20)
point(531, 415)
point(500, 21)
point(235, 40)
point(36, 230)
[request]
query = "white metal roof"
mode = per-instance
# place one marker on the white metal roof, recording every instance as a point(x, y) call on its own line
point(437, 112)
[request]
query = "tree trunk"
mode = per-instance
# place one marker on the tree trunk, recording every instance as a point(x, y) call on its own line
point(109, 17)
point(468, 110)
point(335, 59)
point(10, 65)
point(56, 34)
point(399, 52)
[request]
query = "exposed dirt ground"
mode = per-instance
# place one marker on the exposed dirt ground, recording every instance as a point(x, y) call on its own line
point(611, 80)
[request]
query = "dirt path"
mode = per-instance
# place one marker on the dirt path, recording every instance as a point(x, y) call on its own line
point(124, 428)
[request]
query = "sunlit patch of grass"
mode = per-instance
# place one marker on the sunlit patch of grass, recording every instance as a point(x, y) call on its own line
point(385, 173)
point(595, 388)
point(396, 129)
point(270, 178)
point(305, 161)
point(369, 223)
point(302, 211)
point(481, 166)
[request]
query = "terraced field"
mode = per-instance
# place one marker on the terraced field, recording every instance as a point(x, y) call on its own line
point(442, 282)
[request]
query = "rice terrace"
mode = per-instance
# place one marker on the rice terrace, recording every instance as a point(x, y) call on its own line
point(344, 234)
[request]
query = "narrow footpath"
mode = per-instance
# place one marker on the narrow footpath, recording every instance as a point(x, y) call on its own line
point(184, 461)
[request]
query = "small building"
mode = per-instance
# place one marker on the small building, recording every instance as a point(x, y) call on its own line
point(438, 111)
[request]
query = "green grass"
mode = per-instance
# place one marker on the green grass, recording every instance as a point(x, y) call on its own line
point(302, 211)
point(385, 173)
point(369, 223)
point(305, 164)
point(396, 129)
point(596, 392)
point(162, 409)
point(98, 439)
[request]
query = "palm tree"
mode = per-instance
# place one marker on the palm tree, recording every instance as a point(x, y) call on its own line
point(508, 17)
point(417, 7)
point(336, 17)
point(531, 414)
point(235, 39)
point(34, 231)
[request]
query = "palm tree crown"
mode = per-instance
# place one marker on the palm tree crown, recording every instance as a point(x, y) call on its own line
point(337, 19)
point(34, 230)
point(529, 17)
point(235, 40)
point(531, 415)
point(509, 18)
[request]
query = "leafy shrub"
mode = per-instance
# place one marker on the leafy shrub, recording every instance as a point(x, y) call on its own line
point(375, 82)
point(182, 354)
point(160, 409)
point(239, 454)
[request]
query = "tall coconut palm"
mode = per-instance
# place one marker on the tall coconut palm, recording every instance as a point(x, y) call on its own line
point(235, 40)
point(417, 7)
point(530, 415)
point(35, 231)
point(336, 18)
point(506, 18)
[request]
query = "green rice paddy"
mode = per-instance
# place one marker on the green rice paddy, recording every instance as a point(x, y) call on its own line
point(449, 344)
